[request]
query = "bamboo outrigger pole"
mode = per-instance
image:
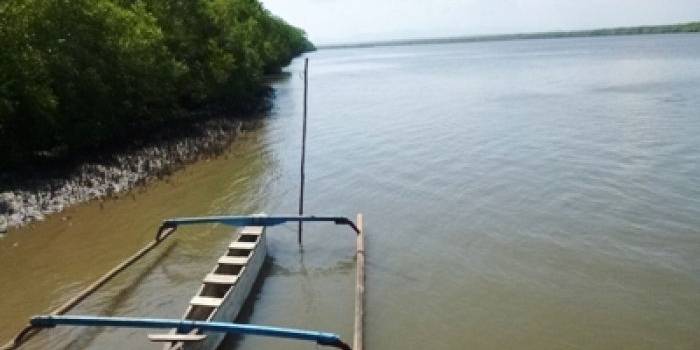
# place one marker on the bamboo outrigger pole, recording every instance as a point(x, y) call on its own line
point(30, 331)
point(303, 147)
point(321, 338)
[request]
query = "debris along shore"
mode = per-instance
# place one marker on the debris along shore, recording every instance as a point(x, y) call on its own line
point(24, 199)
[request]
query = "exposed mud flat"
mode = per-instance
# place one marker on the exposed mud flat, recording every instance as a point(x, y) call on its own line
point(28, 199)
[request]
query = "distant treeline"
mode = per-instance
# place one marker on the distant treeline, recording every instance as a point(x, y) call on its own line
point(80, 74)
point(661, 29)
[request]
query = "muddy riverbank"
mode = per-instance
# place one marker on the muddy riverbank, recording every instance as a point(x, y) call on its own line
point(25, 198)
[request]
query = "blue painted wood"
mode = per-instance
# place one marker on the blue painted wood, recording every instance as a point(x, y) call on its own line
point(257, 220)
point(185, 326)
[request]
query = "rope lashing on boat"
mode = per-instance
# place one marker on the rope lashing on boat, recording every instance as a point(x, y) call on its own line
point(31, 330)
point(186, 326)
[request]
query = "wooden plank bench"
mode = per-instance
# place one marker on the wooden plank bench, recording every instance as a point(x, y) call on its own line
point(176, 337)
point(206, 301)
point(252, 230)
point(233, 260)
point(242, 245)
point(215, 278)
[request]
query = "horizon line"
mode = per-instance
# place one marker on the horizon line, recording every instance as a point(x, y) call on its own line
point(606, 31)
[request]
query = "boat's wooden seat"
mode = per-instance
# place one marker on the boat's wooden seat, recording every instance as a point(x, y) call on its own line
point(252, 230)
point(242, 245)
point(206, 301)
point(175, 337)
point(215, 278)
point(233, 260)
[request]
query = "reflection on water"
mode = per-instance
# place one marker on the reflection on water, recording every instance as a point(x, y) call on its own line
point(535, 194)
point(340, 267)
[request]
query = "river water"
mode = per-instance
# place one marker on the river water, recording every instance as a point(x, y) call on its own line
point(534, 194)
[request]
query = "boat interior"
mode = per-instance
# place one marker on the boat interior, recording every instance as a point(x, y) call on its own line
point(218, 284)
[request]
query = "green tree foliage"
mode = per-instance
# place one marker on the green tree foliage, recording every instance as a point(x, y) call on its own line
point(77, 74)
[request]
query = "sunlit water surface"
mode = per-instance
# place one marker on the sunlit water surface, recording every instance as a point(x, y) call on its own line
point(535, 194)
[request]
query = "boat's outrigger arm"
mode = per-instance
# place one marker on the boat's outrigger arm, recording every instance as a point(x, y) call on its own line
point(186, 326)
point(255, 220)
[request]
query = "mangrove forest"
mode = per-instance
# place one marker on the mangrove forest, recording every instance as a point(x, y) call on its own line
point(76, 75)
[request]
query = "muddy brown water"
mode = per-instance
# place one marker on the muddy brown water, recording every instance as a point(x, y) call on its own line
point(535, 194)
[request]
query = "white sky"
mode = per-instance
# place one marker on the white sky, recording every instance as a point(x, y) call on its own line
point(338, 21)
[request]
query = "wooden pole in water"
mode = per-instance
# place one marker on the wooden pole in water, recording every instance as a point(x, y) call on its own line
point(359, 338)
point(303, 147)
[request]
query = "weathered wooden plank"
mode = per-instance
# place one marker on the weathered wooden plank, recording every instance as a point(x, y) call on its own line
point(242, 245)
point(252, 230)
point(233, 260)
point(206, 301)
point(175, 337)
point(216, 278)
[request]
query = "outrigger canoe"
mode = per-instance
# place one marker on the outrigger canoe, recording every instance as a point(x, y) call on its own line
point(222, 294)
point(223, 291)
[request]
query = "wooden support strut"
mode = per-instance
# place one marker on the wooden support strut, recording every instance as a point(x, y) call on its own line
point(358, 339)
point(30, 331)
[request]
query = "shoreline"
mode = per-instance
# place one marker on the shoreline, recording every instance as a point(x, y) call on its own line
point(684, 28)
point(26, 199)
